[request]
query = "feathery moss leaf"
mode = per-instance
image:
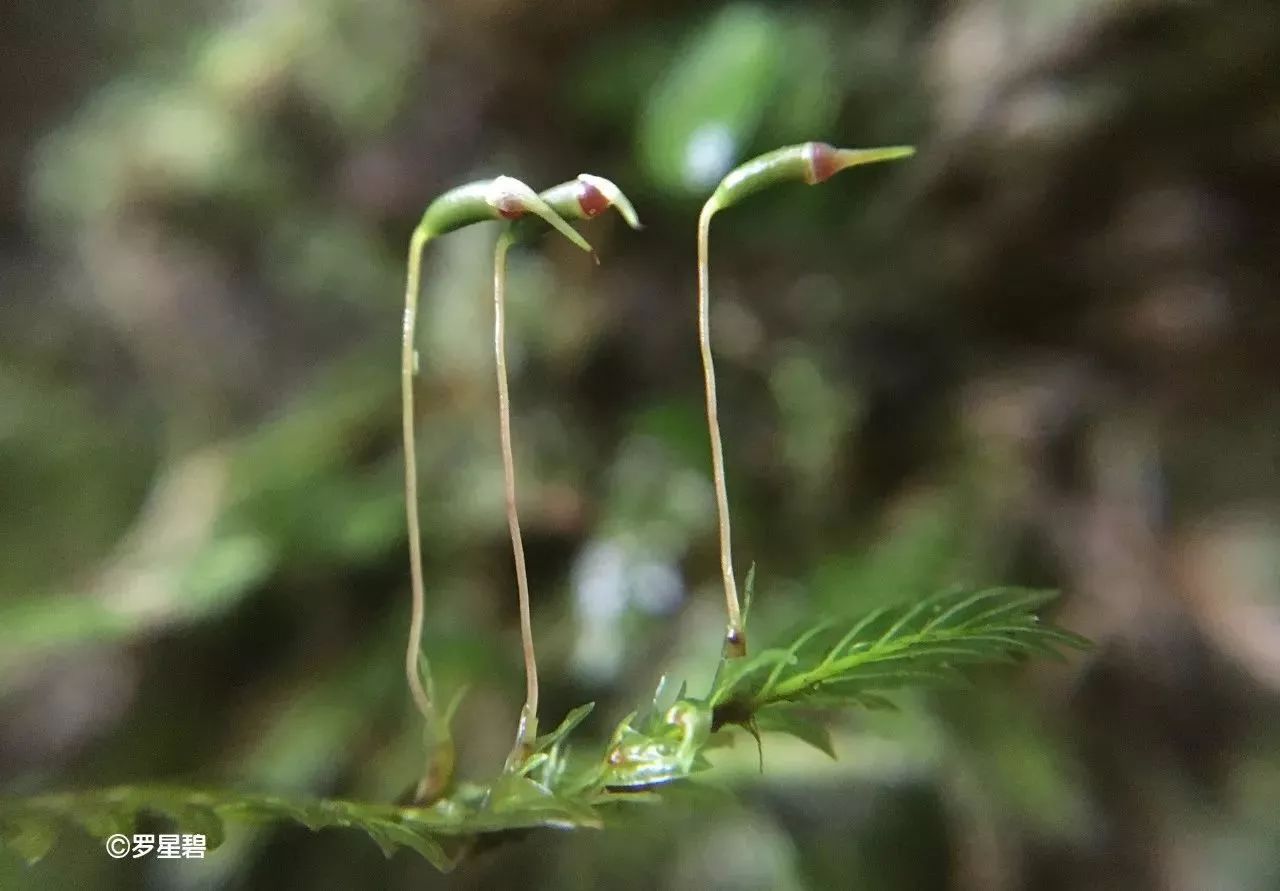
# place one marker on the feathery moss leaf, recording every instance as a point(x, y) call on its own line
point(929, 643)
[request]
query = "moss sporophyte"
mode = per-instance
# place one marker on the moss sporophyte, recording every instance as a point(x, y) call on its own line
point(833, 663)
point(812, 163)
point(503, 198)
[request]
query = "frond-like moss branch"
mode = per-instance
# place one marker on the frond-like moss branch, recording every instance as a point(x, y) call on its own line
point(929, 643)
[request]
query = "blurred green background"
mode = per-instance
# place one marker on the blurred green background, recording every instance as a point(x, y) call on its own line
point(1042, 352)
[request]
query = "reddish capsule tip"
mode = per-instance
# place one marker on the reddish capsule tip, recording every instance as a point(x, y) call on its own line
point(823, 162)
point(592, 201)
point(509, 207)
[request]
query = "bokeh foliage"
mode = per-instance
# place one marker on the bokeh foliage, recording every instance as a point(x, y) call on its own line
point(1042, 354)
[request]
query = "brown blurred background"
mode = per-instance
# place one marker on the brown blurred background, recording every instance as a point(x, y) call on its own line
point(1042, 352)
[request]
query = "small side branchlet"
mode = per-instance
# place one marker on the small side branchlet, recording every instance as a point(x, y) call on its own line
point(579, 199)
point(812, 163)
point(503, 198)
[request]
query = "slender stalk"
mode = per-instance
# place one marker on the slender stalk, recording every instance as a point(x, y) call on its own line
point(421, 700)
point(437, 773)
point(735, 643)
point(528, 727)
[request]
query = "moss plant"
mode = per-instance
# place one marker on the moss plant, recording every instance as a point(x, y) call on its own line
point(832, 663)
point(792, 688)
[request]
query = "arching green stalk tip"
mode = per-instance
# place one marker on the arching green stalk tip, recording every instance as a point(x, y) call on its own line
point(502, 198)
point(809, 162)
